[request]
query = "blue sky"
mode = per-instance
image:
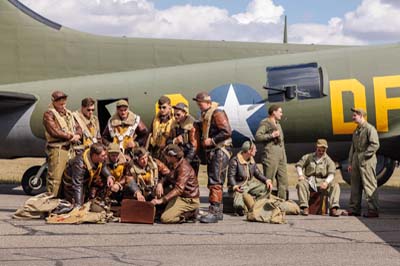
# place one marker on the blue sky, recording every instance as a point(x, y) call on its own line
point(298, 11)
point(348, 22)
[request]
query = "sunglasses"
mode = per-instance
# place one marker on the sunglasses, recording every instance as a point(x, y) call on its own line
point(162, 107)
point(90, 109)
point(177, 115)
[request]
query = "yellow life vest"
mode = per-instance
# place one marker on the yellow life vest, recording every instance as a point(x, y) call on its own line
point(161, 132)
point(123, 131)
point(90, 128)
point(147, 176)
point(94, 172)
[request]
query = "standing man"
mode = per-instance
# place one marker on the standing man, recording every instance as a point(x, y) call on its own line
point(61, 133)
point(161, 127)
point(216, 140)
point(244, 177)
point(274, 158)
point(125, 128)
point(362, 165)
point(183, 200)
point(185, 133)
point(88, 122)
point(316, 171)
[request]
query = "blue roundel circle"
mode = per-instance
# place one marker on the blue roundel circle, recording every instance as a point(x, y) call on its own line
point(244, 107)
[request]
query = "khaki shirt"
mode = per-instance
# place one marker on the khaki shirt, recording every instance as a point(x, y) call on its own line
point(273, 146)
point(320, 168)
point(365, 143)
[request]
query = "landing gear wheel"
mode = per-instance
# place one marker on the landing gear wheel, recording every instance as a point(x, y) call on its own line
point(384, 170)
point(32, 185)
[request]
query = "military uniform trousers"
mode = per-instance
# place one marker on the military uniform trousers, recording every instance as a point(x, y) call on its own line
point(217, 170)
point(57, 159)
point(253, 187)
point(303, 192)
point(363, 177)
point(176, 207)
point(275, 167)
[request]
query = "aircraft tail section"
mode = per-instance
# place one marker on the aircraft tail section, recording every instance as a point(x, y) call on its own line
point(12, 100)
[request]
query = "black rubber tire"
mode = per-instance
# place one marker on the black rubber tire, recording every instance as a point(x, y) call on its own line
point(26, 182)
point(384, 170)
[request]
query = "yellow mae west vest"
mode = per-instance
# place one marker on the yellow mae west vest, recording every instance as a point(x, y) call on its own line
point(94, 173)
point(66, 123)
point(123, 132)
point(146, 177)
point(90, 128)
point(161, 132)
point(117, 170)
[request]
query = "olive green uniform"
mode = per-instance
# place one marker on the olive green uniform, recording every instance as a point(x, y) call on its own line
point(274, 156)
point(320, 169)
point(363, 162)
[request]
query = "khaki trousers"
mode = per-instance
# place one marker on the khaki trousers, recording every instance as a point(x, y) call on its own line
point(363, 177)
point(303, 192)
point(57, 159)
point(275, 167)
point(254, 187)
point(176, 207)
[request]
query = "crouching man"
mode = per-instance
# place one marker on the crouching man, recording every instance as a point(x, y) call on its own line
point(183, 200)
point(242, 169)
point(316, 172)
point(85, 171)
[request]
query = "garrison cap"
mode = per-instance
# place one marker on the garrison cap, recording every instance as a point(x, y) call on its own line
point(181, 106)
point(139, 152)
point(164, 100)
point(202, 97)
point(359, 111)
point(57, 95)
point(113, 148)
point(174, 151)
point(122, 102)
point(246, 146)
point(322, 143)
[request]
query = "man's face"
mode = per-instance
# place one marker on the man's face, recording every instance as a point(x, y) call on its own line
point(203, 105)
point(99, 158)
point(171, 159)
point(60, 104)
point(123, 112)
point(88, 111)
point(179, 115)
point(113, 156)
point(320, 151)
point(164, 109)
point(253, 150)
point(142, 161)
point(278, 114)
point(357, 118)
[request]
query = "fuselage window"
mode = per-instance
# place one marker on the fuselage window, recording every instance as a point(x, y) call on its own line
point(288, 82)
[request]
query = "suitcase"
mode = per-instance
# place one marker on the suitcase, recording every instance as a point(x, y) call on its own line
point(318, 203)
point(133, 211)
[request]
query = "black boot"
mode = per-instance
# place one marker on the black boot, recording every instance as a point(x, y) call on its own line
point(212, 215)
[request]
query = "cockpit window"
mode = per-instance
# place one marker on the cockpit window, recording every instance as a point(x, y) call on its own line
point(305, 81)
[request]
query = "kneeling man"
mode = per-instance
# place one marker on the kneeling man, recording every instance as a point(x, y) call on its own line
point(183, 200)
point(316, 172)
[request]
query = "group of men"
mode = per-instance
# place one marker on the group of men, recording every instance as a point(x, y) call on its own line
point(161, 164)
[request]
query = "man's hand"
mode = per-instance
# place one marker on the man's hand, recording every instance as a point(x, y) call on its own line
point(115, 188)
point(275, 133)
point(178, 139)
point(110, 181)
point(130, 144)
point(323, 186)
point(75, 138)
point(208, 142)
point(157, 201)
point(238, 189)
point(349, 168)
point(139, 196)
point(301, 178)
point(268, 183)
point(159, 190)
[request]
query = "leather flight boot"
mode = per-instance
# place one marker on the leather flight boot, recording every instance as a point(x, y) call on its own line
point(211, 216)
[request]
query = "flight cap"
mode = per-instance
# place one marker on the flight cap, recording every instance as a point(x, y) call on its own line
point(57, 95)
point(246, 146)
point(113, 148)
point(359, 111)
point(122, 102)
point(181, 106)
point(322, 143)
point(173, 150)
point(202, 97)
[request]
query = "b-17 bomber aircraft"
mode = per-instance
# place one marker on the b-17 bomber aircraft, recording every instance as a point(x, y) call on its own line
point(315, 84)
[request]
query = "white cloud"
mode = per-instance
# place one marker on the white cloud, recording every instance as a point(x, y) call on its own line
point(261, 21)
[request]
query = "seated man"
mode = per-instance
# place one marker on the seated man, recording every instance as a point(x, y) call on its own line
point(241, 170)
point(316, 172)
point(116, 162)
point(85, 171)
point(183, 200)
point(142, 174)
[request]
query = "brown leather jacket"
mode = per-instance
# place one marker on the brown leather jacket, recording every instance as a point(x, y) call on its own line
point(76, 180)
point(190, 132)
point(54, 129)
point(240, 171)
point(184, 180)
point(220, 129)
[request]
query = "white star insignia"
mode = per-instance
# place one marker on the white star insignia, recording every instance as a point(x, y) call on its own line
point(238, 114)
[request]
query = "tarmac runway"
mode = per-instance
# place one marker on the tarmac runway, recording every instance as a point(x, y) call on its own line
point(312, 240)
